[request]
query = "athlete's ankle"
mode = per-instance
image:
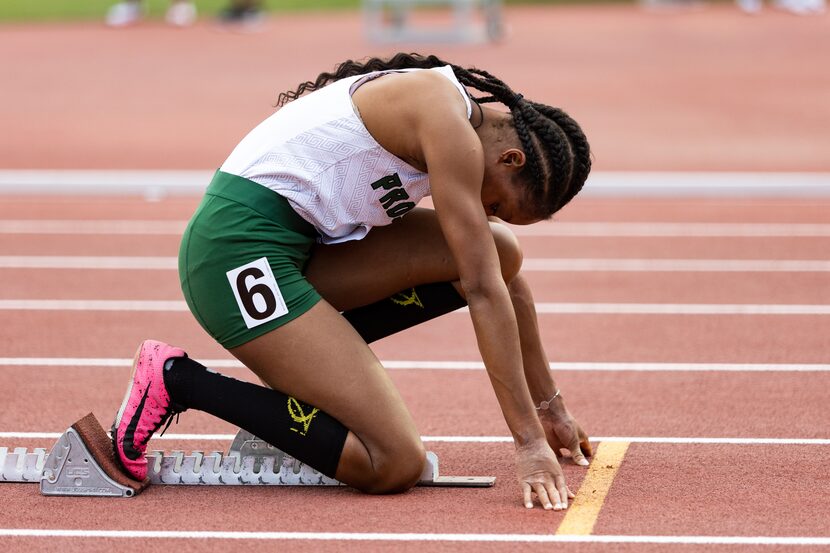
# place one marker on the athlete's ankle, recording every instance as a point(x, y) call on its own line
point(178, 374)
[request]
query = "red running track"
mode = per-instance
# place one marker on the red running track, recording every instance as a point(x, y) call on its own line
point(150, 98)
point(662, 489)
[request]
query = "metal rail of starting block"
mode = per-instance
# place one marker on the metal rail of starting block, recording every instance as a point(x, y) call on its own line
point(71, 469)
point(389, 21)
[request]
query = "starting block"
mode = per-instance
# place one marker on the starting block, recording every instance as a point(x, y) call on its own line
point(82, 463)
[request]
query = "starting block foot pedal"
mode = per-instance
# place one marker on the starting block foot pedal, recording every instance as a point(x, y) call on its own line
point(82, 462)
point(431, 477)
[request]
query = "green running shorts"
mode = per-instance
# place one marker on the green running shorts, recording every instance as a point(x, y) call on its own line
point(241, 261)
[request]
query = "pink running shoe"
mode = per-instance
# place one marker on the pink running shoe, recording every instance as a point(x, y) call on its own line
point(145, 408)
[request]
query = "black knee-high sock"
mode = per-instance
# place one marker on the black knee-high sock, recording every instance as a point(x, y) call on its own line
point(302, 431)
point(404, 310)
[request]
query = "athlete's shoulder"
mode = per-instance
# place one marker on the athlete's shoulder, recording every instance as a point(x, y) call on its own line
point(409, 95)
point(439, 79)
point(433, 94)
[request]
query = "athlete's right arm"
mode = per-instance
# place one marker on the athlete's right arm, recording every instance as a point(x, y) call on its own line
point(455, 160)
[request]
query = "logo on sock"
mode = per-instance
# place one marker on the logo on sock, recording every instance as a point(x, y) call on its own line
point(297, 412)
point(407, 298)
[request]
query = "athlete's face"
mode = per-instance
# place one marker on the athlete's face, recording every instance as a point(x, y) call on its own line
point(502, 195)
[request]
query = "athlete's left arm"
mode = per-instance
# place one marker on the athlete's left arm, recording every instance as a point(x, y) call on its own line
point(422, 118)
point(454, 157)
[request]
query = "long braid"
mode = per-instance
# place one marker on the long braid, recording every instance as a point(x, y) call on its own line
point(526, 138)
point(557, 152)
point(558, 155)
point(579, 145)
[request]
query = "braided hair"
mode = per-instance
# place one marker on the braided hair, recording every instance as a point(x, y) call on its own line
point(557, 152)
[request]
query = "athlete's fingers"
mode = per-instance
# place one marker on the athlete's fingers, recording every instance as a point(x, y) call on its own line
point(562, 491)
point(543, 496)
point(576, 453)
point(555, 496)
point(571, 495)
point(527, 497)
point(585, 443)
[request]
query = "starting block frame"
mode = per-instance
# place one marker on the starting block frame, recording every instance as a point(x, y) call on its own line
point(389, 21)
point(71, 469)
point(80, 464)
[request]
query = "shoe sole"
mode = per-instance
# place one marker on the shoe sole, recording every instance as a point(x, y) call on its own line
point(117, 423)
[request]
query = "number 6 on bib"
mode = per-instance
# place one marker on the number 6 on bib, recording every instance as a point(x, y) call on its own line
point(256, 292)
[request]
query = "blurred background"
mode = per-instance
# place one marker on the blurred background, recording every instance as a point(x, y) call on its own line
point(658, 86)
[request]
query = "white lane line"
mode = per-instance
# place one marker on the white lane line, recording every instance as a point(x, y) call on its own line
point(179, 437)
point(671, 230)
point(680, 309)
point(92, 305)
point(162, 227)
point(695, 184)
point(149, 183)
point(682, 440)
point(106, 227)
point(617, 367)
point(409, 537)
point(572, 265)
point(87, 262)
point(675, 265)
point(541, 308)
point(645, 440)
point(84, 362)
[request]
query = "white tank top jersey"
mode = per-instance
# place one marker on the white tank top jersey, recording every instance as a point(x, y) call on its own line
point(317, 153)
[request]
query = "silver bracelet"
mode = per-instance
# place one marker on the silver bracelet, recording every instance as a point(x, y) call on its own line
point(545, 404)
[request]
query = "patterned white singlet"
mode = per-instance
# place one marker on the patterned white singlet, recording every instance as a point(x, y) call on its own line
point(316, 152)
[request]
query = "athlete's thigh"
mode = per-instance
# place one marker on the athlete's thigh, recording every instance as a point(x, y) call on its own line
point(409, 252)
point(319, 359)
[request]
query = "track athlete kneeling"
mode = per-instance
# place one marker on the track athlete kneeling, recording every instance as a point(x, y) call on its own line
point(308, 245)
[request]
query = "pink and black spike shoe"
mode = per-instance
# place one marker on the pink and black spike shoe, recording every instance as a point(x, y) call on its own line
point(145, 408)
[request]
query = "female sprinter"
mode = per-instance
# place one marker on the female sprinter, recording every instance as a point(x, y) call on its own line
point(308, 245)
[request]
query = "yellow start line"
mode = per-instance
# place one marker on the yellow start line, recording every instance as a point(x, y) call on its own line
point(583, 512)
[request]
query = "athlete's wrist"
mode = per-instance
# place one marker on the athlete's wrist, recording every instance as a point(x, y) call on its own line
point(530, 433)
point(551, 402)
point(533, 444)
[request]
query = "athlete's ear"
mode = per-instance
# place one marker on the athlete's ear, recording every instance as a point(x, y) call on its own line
point(514, 157)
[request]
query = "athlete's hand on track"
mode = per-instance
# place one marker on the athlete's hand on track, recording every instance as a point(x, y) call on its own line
point(540, 473)
point(563, 432)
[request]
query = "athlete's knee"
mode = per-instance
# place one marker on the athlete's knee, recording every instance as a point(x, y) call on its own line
point(398, 471)
point(510, 251)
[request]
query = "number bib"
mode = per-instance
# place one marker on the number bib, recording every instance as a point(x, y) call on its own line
point(256, 292)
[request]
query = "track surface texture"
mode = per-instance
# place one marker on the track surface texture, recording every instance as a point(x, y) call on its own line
point(724, 412)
